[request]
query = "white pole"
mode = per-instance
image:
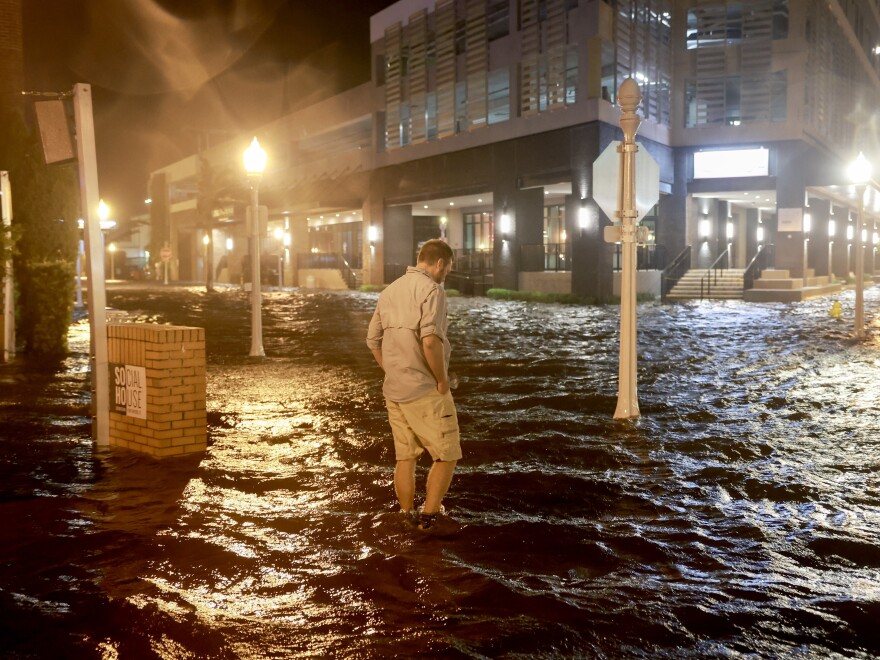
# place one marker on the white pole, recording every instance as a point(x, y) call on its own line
point(860, 265)
point(627, 390)
point(256, 294)
point(88, 184)
point(8, 289)
point(79, 266)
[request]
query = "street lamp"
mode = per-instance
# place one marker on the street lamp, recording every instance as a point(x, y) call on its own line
point(112, 248)
point(859, 173)
point(206, 241)
point(254, 164)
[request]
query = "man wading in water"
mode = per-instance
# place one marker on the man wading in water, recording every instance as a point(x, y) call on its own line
point(407, 336)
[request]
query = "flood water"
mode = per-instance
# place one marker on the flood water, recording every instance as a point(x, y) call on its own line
point(740, 517)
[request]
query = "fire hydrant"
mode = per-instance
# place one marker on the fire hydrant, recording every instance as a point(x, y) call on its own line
point(835, 310)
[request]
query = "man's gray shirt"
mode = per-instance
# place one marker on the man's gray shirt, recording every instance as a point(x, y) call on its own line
point(409, 309)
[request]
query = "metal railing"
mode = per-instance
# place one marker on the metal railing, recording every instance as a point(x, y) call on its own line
point(711, 276)
point(329, 261)
point(648, 257)
point(544, 257)
point(473, 262)
point(673, 273)
point(762, 259)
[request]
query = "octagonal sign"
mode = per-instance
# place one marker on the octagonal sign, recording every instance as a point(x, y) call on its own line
point(606, 181)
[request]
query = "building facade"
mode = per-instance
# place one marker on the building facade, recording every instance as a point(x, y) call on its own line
point(483, 118)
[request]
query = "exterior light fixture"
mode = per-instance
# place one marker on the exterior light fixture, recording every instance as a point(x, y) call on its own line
point(206, 240)
point(229, 244)
point(372, 234)
point(278, 233)
point(876, 238)
point(730, 231)
point(864, 235)
point(563, 236)
point(850, 232)
point(254, 158)
point(808, 223)
point(760, 234)
point(504, 225)
point(583, 218)
point(705, 228)
point(832, 228)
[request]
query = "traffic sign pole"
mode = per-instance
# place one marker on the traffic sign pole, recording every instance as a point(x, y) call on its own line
point(627, 387)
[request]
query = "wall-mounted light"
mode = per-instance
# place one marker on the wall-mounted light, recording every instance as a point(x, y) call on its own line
point(278, 233)
point(760, 234)
point(864, 235)
point(730, 231)
point(850, 232)
point(832, 228)
point(229, 244)
point(563, 236)
point(372, 234)
point(504, 225)
point(583, 217)
point(876, 238)
point(808, 223)
point(206, 240)
point(705, 228)
point(286, 240)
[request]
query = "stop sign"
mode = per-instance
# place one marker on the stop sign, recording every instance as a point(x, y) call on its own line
point(606, 181)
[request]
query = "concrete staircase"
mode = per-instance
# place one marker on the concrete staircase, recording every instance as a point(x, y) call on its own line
point(728, 286)
point(780, 286)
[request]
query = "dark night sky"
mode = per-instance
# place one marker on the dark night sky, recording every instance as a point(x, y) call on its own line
point(163, 70)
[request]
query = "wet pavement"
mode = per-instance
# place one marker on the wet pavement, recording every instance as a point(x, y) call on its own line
point(738, 517)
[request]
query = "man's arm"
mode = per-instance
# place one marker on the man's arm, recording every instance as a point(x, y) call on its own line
point(377, 353)
point(433, 347)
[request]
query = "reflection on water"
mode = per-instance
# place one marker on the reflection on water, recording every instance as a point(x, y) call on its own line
point(739, 515)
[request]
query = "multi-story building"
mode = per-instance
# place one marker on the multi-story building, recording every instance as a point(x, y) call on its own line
point(483, 118)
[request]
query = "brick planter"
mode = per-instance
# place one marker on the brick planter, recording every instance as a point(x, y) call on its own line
point(158, 388)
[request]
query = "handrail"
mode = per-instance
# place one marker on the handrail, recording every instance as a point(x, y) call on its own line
point(348, 273)
point(758, 263)
point(708, 277)
point(675, 271)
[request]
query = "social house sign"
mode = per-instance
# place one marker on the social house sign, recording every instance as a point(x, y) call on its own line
point(128, 390)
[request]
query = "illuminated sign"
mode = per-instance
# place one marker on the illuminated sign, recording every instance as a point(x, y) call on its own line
point(731, 163)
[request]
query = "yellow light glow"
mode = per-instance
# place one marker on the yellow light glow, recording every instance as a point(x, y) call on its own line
point(103, 210)
point(254, 158)
point(206, 239)
point(112, 247)
point(860, 169)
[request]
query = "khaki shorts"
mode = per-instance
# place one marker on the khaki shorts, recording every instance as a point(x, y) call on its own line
point(428, 423)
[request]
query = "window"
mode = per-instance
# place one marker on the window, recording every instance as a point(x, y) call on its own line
point(499, 96)
point(479, 232)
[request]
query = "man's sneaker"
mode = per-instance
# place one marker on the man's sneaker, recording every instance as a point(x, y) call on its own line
point(426, 520)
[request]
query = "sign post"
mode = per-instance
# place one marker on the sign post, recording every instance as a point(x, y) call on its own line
point(8, 295)
point(88, 184)
point(618, 195)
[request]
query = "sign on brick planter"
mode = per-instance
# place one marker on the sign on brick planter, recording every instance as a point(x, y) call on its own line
point(157, 388)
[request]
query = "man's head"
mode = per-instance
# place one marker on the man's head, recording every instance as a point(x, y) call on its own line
point(435, 257)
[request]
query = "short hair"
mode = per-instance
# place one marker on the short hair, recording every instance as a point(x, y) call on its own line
point(433, 250)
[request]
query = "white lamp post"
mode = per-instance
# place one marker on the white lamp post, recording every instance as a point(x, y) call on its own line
point(206, 241)
point(254, 164)
point(859, 173)
point(112, 248)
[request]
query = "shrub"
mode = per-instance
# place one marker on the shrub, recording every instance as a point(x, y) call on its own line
point(538, 296)
point(48, 289)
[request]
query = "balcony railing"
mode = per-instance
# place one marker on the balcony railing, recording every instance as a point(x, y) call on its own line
point(543, 257)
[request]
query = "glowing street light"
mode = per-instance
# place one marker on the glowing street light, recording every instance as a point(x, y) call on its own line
point(859, 173)
point(254, 165)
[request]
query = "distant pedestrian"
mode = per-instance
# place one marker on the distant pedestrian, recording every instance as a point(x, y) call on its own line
point(407, 336)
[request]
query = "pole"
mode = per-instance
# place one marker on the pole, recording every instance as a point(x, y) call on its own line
point(627, 390)
point(88, 183)
point(8, 284)
point(80, 251)
point(256, 295)
point(860, 265)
